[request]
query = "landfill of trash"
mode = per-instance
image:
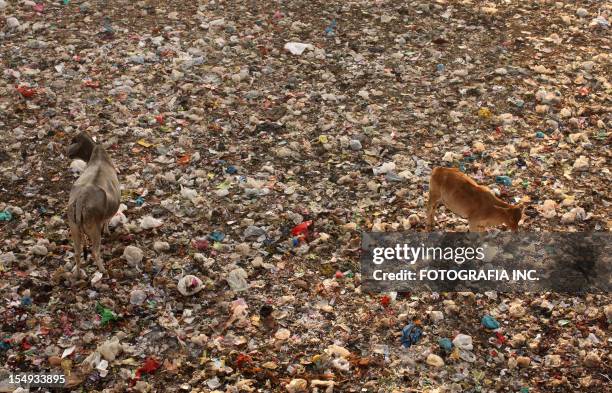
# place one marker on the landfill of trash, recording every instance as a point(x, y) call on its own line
point(254, 142)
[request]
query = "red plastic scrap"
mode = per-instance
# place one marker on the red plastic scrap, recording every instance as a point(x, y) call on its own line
point(242, 360)
point(25, 345)
point(385, 301)
point(184, 159)
point(301, 229)
point(167, 53)
point(200, 244)
point(26, 91)
point(193, 283)
point(159, 119)
point(500, 338)
point(149, 366)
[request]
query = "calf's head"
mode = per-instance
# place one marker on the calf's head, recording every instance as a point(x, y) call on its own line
point(514, 216)
point(81, 147)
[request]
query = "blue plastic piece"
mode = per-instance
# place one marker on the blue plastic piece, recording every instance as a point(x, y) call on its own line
point(411, 334)
point(446, 344)
point(217, 236)
point(489, 322)
point(505, 180)
point(329, 30)
point(6, 216)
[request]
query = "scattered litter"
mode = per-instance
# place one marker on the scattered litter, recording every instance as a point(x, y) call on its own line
point(189, 285)
point(434, 360)
point(133, 255)
point(149, 222)
point(297, 48)
point(237, 280)
point(463, 341)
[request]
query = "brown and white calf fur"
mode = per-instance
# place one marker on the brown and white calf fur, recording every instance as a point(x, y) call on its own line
point(94, 198)
point(464, 197)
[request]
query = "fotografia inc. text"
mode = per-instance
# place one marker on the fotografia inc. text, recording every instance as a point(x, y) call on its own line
point(456, 275)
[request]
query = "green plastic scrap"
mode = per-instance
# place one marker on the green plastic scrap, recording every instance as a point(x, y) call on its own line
point(563, 322)
point(6, 216)
point(106, 314)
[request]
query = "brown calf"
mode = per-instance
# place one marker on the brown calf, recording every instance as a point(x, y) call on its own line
point(464, 197)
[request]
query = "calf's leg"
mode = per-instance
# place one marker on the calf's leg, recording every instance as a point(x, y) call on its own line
point(432, 204)
point(77, 239)
point(94, 231)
